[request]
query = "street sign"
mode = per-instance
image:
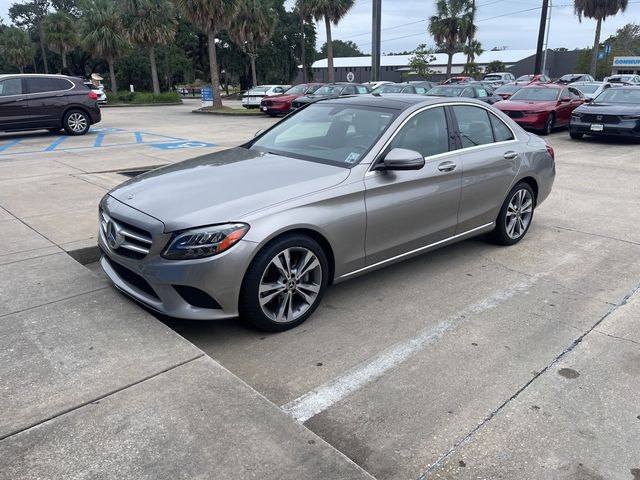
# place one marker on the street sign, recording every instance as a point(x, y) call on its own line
point(207, 96)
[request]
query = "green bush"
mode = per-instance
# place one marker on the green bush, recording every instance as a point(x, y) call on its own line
point(142, 97)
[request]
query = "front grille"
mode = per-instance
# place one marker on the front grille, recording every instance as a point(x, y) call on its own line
point(593, 118)
point(132, 278)
point(124, 239)
point(266, 103)
point(514, 114)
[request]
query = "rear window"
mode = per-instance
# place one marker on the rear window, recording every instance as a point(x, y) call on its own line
point(47, 84)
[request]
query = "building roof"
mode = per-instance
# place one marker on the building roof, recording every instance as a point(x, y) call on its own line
point(506, 56)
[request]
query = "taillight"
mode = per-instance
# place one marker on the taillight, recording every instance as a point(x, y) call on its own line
point(93, 95)
point(551, 152)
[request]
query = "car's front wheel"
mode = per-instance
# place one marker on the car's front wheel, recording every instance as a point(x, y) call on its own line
point(76, 122)
point(576, 135)
point(515, 216)
point(284, 283)
point(549, 124)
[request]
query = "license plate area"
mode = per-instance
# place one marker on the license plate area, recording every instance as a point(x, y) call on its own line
point(597, 127)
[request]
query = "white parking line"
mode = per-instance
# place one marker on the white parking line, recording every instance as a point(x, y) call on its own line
point(319, 399)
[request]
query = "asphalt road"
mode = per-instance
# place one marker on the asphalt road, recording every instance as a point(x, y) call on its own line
point(401, 368)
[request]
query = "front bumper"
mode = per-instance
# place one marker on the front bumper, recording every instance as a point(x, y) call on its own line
point(625, 128)
point(212, 284)
point(532, 121)
point(276, 108)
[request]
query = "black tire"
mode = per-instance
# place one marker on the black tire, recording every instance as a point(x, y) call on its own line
point(249, 305)
point(576, 135)
point(500, 234)
point(76, 122)
point(549, 124)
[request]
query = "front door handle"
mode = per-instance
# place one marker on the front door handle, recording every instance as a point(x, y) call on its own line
point(447, 166)
point(19, 99)
point(510, 155)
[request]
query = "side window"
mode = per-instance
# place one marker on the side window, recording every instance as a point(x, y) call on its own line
point(426, 133)
point(40, 84)
point(10, 86)
point(362, 89)
point(474, 126)
point(349, 90)
point(575, 94)
point(60, 84)
point(420, 90)
point(482, 92)
point(565, 93)
point(500, 131)
point(467, 92)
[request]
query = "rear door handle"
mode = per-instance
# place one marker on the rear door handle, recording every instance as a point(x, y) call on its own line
point(510, 155)
point(447, 166)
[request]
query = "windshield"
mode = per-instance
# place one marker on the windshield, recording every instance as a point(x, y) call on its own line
point(296, 89)
point(619, 95)
point(327, 133)
point(524, 78)
point(588, 88)
point(445, 91)
point(492, 77)
point(620, 79)
point(257, 90)
point(536, 94)
point(570, 77)
point(508, 89)
point(329, 90)
point(390, 88)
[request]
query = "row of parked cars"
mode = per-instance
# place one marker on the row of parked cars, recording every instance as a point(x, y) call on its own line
point(535, 102)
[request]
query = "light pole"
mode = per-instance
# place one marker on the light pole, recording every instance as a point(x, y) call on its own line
point(543, 20)
point(546, 41)
point(375, 40)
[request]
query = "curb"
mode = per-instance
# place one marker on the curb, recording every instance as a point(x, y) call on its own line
point(85, 255)
point(120, 105)
point(227, 114)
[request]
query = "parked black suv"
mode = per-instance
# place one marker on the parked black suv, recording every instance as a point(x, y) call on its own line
point(51, 102)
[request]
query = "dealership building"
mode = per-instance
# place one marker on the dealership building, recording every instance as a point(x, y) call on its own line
point(395, 67)
point(628, 65)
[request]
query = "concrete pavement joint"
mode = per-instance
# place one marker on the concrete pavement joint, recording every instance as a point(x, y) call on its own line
point(616, 337)
point(595, 234)
point(321, 398)
point(31, 258)
point(97, 399)
point(442, 458)
point(53, 301)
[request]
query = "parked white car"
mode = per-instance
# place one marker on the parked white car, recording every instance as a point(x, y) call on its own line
point(253, 97)
point(499, 78)
point(102, 97)
point(591, 89)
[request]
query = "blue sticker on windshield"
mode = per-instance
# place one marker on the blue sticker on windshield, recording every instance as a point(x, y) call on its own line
point(353, 157)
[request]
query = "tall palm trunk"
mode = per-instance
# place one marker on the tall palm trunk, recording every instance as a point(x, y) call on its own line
point(254, 78)
point(42, 49)
point(596, 45)
point(64, 59)
point(450, 52)
point(302, 50)
point(112, 74)
point(154, 70)
point(331, 77)
point(213, 65)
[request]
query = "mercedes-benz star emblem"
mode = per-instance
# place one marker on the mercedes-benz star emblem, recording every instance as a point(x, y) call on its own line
point(599, 117)
point(114, 237)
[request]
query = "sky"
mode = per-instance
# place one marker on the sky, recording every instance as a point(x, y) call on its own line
point(501, 23)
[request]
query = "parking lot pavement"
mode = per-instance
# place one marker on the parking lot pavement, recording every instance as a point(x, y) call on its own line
point(400, 367)
point(53, 181)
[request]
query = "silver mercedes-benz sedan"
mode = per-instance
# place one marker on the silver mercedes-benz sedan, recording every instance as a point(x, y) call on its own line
point(335, 190)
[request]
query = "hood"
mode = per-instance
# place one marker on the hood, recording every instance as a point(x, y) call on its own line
point(284, 98)
point(224, 186)
point(520, 105)
point(312, 97)
point(609, 108)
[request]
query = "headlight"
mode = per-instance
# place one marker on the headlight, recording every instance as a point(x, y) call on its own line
point(205, 241)
point(630, 117)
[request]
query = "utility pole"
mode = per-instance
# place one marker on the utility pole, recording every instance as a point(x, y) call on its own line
point(375, 37)
point(543, 20)
point(546, 41)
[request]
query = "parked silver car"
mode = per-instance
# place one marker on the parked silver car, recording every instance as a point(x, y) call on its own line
point(340, 188)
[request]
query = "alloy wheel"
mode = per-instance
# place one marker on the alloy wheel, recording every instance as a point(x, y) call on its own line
point(290, 284)
point(519, 213)
point(77, 122)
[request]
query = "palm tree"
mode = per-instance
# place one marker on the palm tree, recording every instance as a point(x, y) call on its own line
point(210, 16)
point(253, 25)
point(103, 34)
point(469, 31)
point(303, 8)
point(148, 23)
point(450, 25)
point(598, 10)
point(331, 11)
point(16, 47)
point(60, 34)
point(472, 50)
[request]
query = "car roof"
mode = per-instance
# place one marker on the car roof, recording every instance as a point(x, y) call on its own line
point(552, 86)
point(396, 101)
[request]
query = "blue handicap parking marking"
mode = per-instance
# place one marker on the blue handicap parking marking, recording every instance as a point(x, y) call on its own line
point(106, 129)
point(183, 144)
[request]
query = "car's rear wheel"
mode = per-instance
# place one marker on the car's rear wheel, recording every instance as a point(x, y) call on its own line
point(549, 124)
point(284, 283)
point(515, 216)
point(576, 135)
point(76, 122)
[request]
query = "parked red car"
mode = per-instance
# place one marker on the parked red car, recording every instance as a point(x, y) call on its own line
point(281, 104)
point(542, 107)
point(532, 79)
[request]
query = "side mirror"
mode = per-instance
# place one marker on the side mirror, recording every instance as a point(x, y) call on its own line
point(401, 159)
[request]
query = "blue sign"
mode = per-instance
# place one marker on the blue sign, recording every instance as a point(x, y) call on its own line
point(601, 55)
point(207, 94)
point(184, 144)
